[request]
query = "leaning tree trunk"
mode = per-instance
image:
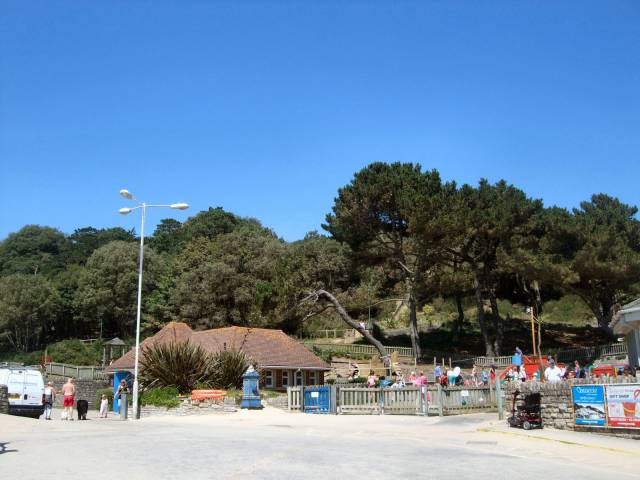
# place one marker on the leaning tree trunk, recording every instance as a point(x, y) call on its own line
point(413, 326)
point(488, 346)
point(384, 356)
point(603, 310)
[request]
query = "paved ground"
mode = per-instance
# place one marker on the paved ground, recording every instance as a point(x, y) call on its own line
point(276, 444)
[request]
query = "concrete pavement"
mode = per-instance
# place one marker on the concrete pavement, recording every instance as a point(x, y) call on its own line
point(276, 444)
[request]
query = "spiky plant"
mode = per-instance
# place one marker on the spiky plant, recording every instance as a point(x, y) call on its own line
point(176, 364)
point(227, 368)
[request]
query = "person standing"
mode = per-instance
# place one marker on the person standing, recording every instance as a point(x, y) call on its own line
point(104, 406)
point(552, 373)
point(436, 373)
point(69, 397)
point(371, 379)
point(49, 398)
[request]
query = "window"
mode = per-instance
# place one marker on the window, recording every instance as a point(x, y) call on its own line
point(312, 378)
point(285, 378)
point(268, 378)
point(298, 377)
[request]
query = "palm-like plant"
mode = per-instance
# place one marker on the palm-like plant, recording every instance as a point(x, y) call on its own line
point(184, 366)
point(176, 364)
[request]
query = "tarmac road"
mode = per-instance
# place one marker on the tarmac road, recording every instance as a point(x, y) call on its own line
point(278, 445)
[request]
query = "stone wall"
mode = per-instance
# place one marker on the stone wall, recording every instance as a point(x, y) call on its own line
point(4, 399)
point(188, 407)
point(556, 407)
point(85, 390)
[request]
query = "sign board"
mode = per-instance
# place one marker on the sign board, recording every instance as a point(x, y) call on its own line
point(315, 394)
point(623, 405)
point(589, 405)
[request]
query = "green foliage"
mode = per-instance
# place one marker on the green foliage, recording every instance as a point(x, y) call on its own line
point(28, 304)
point(104, 391)
point(85, 241)
point(227, 367)
point(107, 287)
point(176, 364)
point(34, 249)
point(325, 355)
point(75, 352)
point(160, 397)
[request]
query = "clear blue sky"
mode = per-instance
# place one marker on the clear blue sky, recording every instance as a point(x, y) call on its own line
point(267, 108)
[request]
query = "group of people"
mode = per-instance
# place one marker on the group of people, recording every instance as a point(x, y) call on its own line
point(68, 391)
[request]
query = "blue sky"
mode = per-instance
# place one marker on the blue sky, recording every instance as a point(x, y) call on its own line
point(267, 108)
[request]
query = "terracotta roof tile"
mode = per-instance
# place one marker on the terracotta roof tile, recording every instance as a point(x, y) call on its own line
point(267, 347)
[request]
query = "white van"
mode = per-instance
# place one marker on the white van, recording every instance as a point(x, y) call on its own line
point(26, 389)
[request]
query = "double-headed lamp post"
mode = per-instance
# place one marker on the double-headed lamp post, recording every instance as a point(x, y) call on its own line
point(124, 211)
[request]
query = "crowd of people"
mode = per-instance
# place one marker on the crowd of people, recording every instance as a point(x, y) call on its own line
point(550, 372)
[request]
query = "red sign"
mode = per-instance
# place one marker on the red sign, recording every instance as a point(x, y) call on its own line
point(623, 405)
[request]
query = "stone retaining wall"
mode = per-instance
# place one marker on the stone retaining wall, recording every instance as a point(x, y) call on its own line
point(4, 399)
point(85, 390)
point(189, 408)
point(556, 407)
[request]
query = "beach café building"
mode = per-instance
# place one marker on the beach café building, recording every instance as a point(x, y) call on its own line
point(626, 322)
point(282, 360)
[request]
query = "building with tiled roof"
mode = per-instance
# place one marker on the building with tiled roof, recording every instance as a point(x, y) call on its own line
point(282, 360)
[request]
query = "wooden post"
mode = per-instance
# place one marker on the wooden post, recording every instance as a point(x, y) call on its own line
point(533, 332)
point(449, 363)
point(499, 400)
point(440, 406)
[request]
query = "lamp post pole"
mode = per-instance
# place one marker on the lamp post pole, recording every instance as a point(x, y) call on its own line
point(139, 307)
point(124, 211)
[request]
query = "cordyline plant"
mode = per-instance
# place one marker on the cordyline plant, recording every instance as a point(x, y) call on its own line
point(186, 366)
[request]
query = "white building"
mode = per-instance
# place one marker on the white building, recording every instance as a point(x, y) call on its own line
point(627, 322)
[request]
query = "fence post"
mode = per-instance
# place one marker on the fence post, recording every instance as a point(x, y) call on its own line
point(499, 400)
point(440, 401)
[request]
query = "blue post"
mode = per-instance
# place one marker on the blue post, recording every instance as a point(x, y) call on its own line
point(250, 392)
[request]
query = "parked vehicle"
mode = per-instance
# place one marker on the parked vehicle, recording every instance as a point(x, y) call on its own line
point(25, 387)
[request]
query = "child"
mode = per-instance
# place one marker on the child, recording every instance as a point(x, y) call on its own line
point(104, 406)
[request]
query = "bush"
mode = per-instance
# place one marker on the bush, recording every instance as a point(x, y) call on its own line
point(75, 352)
point(160, 397)
point(227, 369)
point(186, 367)
point(104, 391)
point(176, 364)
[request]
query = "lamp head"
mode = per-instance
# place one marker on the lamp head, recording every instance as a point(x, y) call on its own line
point(126, 194)
point(125, 211)
point(179, 206)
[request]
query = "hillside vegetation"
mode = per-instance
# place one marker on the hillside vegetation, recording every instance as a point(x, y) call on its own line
point(436, 265)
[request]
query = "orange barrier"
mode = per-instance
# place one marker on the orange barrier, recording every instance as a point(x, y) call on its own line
point(208, 394)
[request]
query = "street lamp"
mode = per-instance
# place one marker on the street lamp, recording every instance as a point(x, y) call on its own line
point(125, 211)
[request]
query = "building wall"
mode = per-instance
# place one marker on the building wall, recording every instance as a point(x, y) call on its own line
point(309, 377)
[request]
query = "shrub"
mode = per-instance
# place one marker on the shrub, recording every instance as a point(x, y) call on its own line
point(160, 397)
point(75, 352)
point(186, 367)
point(227, 368)
point(176, 364)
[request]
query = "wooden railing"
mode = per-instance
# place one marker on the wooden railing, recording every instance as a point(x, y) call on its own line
point(75, 371)
point(362, 349)
point(433, 399)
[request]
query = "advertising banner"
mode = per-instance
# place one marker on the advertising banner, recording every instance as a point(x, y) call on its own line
point(623, 404)
point(588, 405)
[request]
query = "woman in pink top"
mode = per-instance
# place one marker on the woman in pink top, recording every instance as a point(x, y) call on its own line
point(371, 379)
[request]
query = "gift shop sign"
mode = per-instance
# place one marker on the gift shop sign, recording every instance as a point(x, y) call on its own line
point(623, 405)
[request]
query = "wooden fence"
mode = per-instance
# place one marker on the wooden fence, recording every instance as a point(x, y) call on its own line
point(406, 352)
point(432, 400)
point(75, 371)
point(459, 400)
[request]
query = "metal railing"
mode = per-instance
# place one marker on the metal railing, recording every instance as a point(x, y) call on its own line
point(362, 349)
point(75, 371)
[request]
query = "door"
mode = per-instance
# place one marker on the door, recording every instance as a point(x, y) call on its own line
point(15, 387)
point(33, 389)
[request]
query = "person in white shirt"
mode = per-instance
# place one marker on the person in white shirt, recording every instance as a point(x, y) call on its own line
point(552, 373)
